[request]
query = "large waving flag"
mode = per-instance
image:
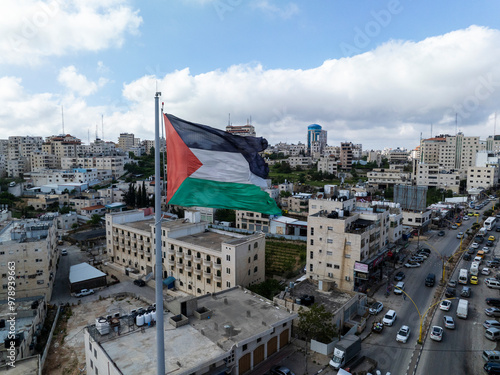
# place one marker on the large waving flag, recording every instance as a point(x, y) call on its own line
point(209, 167)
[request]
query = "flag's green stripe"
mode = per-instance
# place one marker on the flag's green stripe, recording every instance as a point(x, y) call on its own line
point(206, 193)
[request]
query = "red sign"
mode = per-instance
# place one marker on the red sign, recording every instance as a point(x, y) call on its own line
point(389, 254)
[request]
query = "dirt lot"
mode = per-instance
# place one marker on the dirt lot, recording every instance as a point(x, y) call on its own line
point(67, 352)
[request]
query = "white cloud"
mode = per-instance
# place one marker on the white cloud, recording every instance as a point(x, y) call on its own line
point(282, 11)
point(34, 29)
point(383, 98)
point(78, 83)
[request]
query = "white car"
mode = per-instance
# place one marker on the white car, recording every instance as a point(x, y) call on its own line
point(486, 249)
point(478, 259)
point(437, 333)
point(376, 307)
point(84, 292)
point(445, 305)
point(412, 265)
point(474, 245)
point(403, 334)
point(485, 271)
point(465, 218)
point(460, 235)
point(64, 252)
point(449, 322)
point(389, 318)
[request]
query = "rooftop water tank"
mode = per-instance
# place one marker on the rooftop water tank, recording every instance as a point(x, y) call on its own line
point(153, 315)
point(102, 325)
point(139, 320)
point(147, 318)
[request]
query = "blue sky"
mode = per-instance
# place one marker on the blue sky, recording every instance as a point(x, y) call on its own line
point(377, 73)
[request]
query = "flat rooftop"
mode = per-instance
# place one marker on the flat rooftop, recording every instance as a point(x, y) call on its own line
point(236, 315)
point(210, 240)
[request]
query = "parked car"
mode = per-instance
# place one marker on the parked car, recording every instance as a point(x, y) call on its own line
point(492, 311)
point(489, 243)
point(140, 282)
point(485, 271)
point(403, 334)
point(389, 318)
point(492, 368)
point(376, 307)
point(281, 370)
point(417, 259)
point(493, 302)
point(441, 233)
point(491, 323)
point(399, 288)
point(437, 333)
point(399, 276)
point(454, 226)
point(412, 265)
point(452, 283)
point(64, 252)
point(445, 305)
point(450, 292)
point(491, 238)
point(474, 280)
point(84, 292)
point(449, 322)
point(486, 250)
point(493, 263)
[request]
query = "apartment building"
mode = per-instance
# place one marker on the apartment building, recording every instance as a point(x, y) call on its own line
point(346, 156)
point(433, 175)
point(229, 332)
point(254, 221)
point(303, 162)
point(297, 204)
point(482, 177)
point(29, 316)
point(41, 160)
point(91, 176)
point(244, 130)
point(384, 178)
point(97, 148)
point(346, 241)
point(61, 146)
point(115, 164)
point(397, 156)
point(32, 249)
point(201, 261)
point(22, 146)
point(3, 166)
point(328, 164)
point(127, 141)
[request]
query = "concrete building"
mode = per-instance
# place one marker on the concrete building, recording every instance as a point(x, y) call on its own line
point(115, 164)
point(98, 148)
point(297, 204)
point(126, 141)
point(346, 156)
point(90, 176)
point(346, 241)
point(3, 166)
point(303, 162)
point(384, 178)
point(328, 164)
point(316, 134)
point(482, 177)
point(200, 260)
point(61, 146)
point(244, 130)
point(432, 175)
point(32, 247)
point(397, 156)
point(41, 160)
point(29, 314)
point(253, 221)
point(242, 331)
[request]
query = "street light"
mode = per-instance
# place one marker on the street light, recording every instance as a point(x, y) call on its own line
point(422, 316)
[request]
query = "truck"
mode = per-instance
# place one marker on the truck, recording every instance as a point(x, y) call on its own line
point(474, 268)
point(463, 277)
point(462, 308)
point(345, 351)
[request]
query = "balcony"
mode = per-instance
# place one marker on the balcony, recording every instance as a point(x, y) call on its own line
point(188, 268)
point(171, 262)
point(206, 274)
point(217, 266)
point(170, 251)
point(207, 263)
point(140, 242)
point(179, 264)
point(197, 271)
point(217, 278)
point(188, 256)
point(179, 255)
point(197, 260)
point(127, 247)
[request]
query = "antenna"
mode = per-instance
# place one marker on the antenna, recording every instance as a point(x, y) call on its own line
point(102, 126)
point(96, 131)
point(62, 116)
point(431, 129)
point(456, 123)
point(88, 135)
point(495, 126)
point(229, 120)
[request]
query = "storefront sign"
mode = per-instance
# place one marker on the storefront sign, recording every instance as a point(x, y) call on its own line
point(360, 267)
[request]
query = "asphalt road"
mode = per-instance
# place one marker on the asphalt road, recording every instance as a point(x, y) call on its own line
point(391, 355)
point(461, 349)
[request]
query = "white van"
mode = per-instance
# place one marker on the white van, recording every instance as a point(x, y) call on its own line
point(492, 283)
point(474, 268)
point(463, 278)
point(462, 308)
point(492, 334)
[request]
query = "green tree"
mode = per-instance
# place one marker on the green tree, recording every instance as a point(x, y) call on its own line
point(267, 289)
point(285, 194)
point(315, 323)
point(94, 220)
point(225, 214)
point(129, 196)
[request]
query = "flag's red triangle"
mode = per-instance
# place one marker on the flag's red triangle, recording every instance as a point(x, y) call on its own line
point(181, 162)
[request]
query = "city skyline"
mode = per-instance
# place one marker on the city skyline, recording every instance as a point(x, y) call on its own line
point(382, 75)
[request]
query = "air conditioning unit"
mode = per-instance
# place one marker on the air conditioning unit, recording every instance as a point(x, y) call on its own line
point(347, 278)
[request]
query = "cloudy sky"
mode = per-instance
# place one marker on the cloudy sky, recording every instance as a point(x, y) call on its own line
point(379, 73)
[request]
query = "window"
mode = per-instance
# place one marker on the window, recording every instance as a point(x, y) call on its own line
point(329, 253)
point(255, 257)
point(95, 353)
point(228, 284)
point(311, 254)
point(91, 364)
point(329, 240)
point(255, 245)
point(249, 259)
point(312, 242)
point(255, 270)
point(312, 231)
point(245, 347)
point(329, 265)
point(228, 270)
point(336, 266)
point(228, 257)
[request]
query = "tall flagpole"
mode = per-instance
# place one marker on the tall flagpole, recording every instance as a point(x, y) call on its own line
point(160, 343)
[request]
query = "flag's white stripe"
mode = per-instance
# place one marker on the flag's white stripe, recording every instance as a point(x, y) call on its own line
point(225, 167)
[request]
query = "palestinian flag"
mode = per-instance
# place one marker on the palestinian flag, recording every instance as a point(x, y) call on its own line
point(209, 167)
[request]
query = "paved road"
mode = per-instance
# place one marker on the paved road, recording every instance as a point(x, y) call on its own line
point(396, 357)
point(461, 349)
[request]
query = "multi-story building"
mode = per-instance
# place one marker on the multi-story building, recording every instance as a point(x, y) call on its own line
point(29, 314)
point(482, 177)
point(433, 176)
point(201, 261)
point(17, 167)
point(384, 178)
point(22, 146)
point(316, 134)
point(115, 164)
point(98, 148)
point(244, 130)
point(127, 140)
point(328, 164)
point(32, 249)
point(3, 166)
point(398, 156)
point(346, 156)
point(41, 160)
point(4, 147)
point(297, 204)
point(78, 175)
point(357, 151)
point(229, 332)
point(300, 161)
point(254, 221)
point(61, 146)
point(346, 241)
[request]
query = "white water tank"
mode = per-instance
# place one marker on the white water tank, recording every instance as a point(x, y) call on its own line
point(139, 320)
point(153, 315)
point(147, 318)
point(102, 326)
